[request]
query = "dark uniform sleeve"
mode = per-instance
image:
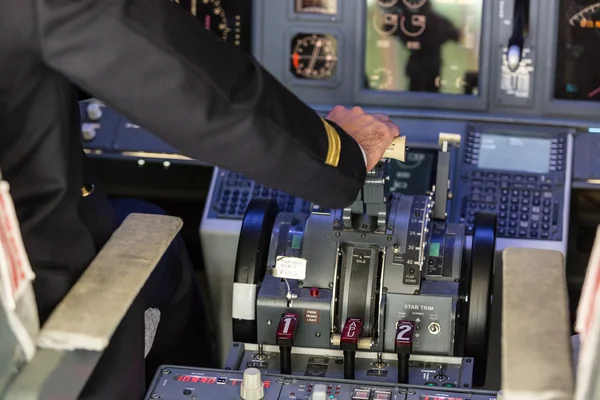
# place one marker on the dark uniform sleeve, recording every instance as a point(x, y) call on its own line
point(154, 63)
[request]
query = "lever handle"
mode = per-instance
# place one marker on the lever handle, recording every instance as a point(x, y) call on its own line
point(404, 337)
point(285, 339)
point(397, 149)
point(351, 333)
point(349, 343)
point(403, 344)
point(287, 329)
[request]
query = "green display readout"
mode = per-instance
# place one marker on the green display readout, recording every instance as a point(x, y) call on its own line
point(296, 242)
point(434, 250)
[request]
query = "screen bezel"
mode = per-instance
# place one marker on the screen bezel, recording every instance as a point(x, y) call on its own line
point(294, 15)
point(550, 105)
point(369, 97)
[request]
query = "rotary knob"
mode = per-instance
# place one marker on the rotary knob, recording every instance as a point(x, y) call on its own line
point(88, 132)
point(319, 392)
point(94, 111)
point(252, 386)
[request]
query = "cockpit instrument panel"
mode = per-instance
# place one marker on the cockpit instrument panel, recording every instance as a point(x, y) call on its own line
point(228, 19)
point(423, 45)
point(577, 62)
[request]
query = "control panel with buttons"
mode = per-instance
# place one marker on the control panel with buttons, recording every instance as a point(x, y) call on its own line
point(99, 126)
point(233, 192)
point(181, 383)
point(104, 132)
point(520, 178)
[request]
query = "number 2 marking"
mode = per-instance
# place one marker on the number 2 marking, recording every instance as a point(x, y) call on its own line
point(404, 329)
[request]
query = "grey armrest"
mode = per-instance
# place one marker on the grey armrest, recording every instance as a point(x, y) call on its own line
point(82, 325)
point(536, 349)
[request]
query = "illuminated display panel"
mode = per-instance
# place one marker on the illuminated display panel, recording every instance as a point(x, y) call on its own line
point(423, 397)
point(511, 153)
point(423, 45)
point(228, 19)
point(577, 75)
point(211, 380)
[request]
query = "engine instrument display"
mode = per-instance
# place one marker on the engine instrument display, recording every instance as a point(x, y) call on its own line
point(228, 19)
point(314, 56)
point(328, 7)
point(577, 62)
point(416, 175)
point(423, 45)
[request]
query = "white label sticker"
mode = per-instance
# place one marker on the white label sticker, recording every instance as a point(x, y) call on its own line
point(290, 268)
point(15, 270)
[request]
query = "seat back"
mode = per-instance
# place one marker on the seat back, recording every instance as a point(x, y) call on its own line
point(536, 346)
point(80, 328)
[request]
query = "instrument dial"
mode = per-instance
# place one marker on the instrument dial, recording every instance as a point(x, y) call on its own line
point(313, 56)
point(382, 79)
point(213, 15)
point(415, 27)
point(587, 18)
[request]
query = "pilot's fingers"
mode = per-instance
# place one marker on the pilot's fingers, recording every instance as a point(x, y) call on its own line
point(336, 110)
point(382, 117)
point(393, 129)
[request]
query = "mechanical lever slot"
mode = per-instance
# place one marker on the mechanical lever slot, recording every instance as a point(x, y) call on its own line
point(516, 43)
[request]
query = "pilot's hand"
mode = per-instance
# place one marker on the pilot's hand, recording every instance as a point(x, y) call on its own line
point(373, 132)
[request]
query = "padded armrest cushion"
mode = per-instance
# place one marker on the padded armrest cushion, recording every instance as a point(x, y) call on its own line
point(536, 346)
point(89, 315)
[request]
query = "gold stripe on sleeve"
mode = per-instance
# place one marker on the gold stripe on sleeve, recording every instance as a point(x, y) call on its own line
point(335, 145)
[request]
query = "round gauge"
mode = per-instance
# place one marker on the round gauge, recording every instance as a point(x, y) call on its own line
point(386, 24)
point(328, 7)
point(414, 4)
point(387, 3)
point(415, 27)
point(382, 79)
point(313, 56)
point(588, 17)
point(213, 16)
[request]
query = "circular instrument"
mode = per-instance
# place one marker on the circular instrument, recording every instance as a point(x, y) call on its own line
point(588, 17)
point(381, 79)
point(252, 254)
point(477, 305)
point(213, 15)
point(414, 25)
point(314, 56)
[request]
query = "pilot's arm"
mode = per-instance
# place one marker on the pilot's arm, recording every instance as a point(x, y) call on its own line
point(155, 64)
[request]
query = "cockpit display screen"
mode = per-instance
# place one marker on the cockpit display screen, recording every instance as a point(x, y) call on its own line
point(228, 19)
point(577, 62)
point(423, 45)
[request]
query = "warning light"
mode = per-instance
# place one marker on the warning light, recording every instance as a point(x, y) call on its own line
point(210, 380)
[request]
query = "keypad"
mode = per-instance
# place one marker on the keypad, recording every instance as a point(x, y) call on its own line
point(236, 191)
point(525, 204)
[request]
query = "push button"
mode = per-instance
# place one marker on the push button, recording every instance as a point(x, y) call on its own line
point(382, 395)
point(361, 394)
